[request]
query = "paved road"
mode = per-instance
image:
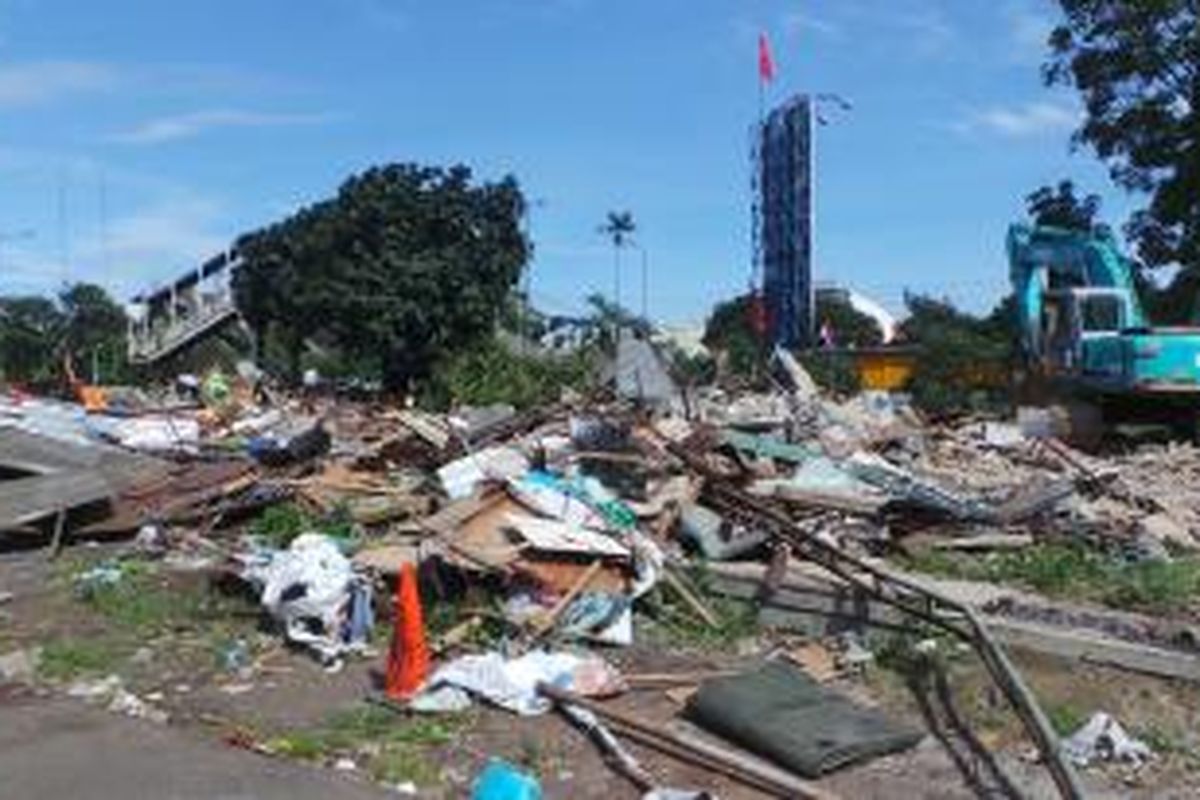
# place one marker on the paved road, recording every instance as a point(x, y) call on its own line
point(59, 750)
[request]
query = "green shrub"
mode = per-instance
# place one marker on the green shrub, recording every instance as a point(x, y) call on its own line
point(491, 373)
point(833, 372)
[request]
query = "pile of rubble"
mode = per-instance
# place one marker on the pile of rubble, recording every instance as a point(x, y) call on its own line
point(568, 517)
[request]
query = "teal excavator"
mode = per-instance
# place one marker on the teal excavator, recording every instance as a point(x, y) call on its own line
point(1085, 338)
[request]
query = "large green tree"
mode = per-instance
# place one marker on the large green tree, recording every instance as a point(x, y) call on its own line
point(405, 266)
point(1060, 207)
point(1136, 65)
point(30, 331)
point(730, 330)
point(730, 333)
point(961, 358)
point(94, 331)
point(849, 326)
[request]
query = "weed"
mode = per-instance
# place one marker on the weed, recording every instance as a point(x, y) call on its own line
point(299, 745)
point(346, 729)
point(1065, 718)
point(402, 764)
point(736, 620)
point(1155, 585)
point(1072, 570)
point(1165, 743)
point(145, 603)
point(393, 746)
point(278, 525)
point(64, 659)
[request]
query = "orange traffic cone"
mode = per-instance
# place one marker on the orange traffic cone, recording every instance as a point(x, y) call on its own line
point(408, 657)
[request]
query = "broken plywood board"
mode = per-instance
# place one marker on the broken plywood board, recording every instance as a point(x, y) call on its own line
point(472, 531)
point(65, 475)
point(26, 500)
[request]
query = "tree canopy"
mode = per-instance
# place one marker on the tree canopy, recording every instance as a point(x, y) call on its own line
point(30, 328)
point(1059, 207)
point(405, 265)
point(94, 331)
point(730, 330)
point(1137, 67)
point(85, 323)
point(849, 326)
point(619, 227)
point(963, 359)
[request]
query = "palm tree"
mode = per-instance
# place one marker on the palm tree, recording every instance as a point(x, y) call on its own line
point(619, 228)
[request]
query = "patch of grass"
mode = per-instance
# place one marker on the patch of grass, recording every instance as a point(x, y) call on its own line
point(1165, 743)
point(737, 620)
point(1161, 586)
point(394, 747)
point(66, 659)
point(278, 525)
point(300, 745)
point(146, 603)
point(1065, 718)
point(369, 723)
point(1073, 570)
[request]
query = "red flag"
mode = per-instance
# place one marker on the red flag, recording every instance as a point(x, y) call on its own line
point(766, 64)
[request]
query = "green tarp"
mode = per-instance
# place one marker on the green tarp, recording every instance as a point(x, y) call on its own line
point(780, 713)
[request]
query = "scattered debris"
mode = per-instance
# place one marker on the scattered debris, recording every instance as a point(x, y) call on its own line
point(19, 666)
point(557, 529)
point(314, 591)
point(1103, 739)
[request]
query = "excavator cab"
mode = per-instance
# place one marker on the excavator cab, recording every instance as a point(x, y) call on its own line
point(1080, 333)
point(1085, 339)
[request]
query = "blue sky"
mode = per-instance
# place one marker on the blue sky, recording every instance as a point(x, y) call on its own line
point(138, 137)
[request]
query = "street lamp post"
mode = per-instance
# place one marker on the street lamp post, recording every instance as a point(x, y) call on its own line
point(840, 104)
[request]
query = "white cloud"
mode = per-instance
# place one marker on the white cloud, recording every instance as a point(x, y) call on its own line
point(35, 82)
point(150, 245)
point(195, 123)
point(145, 247)
point(174, 234)
point(798, 23)
point(1030, 119)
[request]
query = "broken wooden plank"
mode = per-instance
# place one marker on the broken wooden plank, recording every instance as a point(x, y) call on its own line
point(693, 602)
point(546, 623)
point(27, 500)
point(985, 541)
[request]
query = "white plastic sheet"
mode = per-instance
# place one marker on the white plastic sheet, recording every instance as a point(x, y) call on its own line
point(512, 683)
point(309, 588)
point(1103, 739)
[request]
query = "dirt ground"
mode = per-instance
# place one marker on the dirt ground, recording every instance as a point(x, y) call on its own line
point(284, 699)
